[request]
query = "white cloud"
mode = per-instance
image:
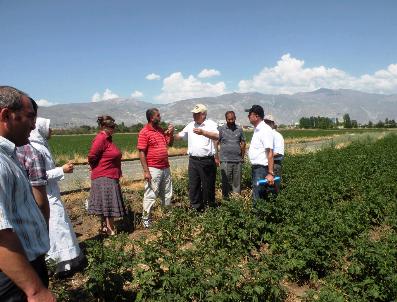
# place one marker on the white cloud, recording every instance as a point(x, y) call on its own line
point(136, 94)
point(290, 76)
point(44, 103)
point(107, 95)
point(152, 76)
point(176, 87)
point(208, 73)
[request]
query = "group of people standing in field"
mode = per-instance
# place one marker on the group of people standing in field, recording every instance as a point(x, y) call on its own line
point(210, 146)
point(34, 225)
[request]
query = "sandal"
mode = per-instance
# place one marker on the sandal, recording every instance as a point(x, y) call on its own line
point(106, 231)
point(110, 232)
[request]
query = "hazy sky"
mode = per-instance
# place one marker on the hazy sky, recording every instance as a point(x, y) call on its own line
point(163, 51)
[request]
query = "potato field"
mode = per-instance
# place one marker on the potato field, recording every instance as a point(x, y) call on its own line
point(330, 235)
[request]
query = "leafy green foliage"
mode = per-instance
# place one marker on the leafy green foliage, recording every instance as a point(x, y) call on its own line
point(109, 266)
point(333, 226)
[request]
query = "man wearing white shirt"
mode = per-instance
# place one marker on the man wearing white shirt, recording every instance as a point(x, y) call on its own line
point(278, 145)
point(200, 134)
point(260, 152)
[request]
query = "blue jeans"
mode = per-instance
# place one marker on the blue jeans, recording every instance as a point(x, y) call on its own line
point(259, 192)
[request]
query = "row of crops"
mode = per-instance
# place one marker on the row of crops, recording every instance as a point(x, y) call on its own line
point(332, 230)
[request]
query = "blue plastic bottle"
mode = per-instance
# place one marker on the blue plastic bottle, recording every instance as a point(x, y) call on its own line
point(263, 182)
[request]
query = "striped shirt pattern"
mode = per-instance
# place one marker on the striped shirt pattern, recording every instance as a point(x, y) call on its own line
point(34, 164)
point(154, 143)
point(18, 208)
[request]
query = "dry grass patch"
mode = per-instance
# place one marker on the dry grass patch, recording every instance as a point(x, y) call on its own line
point(295, 292)
point(379, 232)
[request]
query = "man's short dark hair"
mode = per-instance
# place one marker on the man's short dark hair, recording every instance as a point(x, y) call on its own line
point(35, 106)
point(150, 112)
point(11, 98)
point(230, 112)
point(257, 109)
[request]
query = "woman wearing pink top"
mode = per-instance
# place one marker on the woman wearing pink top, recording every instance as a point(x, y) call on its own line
point(104, 158)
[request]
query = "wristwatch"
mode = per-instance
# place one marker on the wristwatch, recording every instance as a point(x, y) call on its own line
point(271, 173)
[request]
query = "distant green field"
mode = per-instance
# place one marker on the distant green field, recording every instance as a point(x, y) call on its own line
point(70, 146)
point(303, 133)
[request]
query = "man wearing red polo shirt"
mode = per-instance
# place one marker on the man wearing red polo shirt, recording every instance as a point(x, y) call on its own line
point(152, 146)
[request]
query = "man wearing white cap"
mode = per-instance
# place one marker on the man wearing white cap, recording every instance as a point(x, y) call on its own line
point(200, 134)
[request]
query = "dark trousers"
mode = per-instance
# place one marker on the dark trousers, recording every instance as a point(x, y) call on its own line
point(259, 191)
point(10, 292)
point(202, 177)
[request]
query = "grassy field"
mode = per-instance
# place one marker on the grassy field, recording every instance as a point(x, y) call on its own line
point(76, 147)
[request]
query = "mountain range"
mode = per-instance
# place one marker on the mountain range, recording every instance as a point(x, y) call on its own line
point(287, 109)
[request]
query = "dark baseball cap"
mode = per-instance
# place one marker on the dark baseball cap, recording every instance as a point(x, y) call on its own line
point(258, 110)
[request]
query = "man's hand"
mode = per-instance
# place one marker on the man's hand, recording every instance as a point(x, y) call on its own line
point(147, 176)
point(170, 130)
point(44, 295)
point(270, 179)
point(217, 161)
point(68, 168)
point(198, 131)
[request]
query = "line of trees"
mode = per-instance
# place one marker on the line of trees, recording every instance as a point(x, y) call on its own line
point(321, 122)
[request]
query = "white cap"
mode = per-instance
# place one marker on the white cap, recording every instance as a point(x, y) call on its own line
point(269, 117)
point(199, 108)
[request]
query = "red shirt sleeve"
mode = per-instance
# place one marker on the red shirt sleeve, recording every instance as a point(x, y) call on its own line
point(97, 148)
point(142, 144)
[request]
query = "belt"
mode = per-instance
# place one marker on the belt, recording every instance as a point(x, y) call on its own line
point(201, 157)
point(258, 166)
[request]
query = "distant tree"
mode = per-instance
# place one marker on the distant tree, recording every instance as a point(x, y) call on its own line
point(305, 123)
point(380, 124)
point(121, 127)
point(370, 124)
point(354, 123)
point(346, 121)
point(318, 122)
point(136, 127)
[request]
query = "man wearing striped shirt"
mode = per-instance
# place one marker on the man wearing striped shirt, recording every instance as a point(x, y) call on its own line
point(23, 231)
point(152, 146)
